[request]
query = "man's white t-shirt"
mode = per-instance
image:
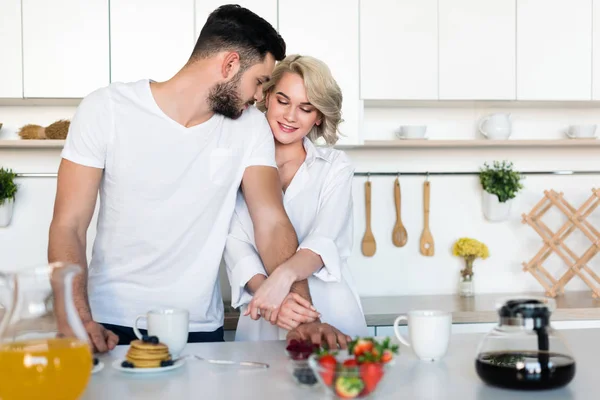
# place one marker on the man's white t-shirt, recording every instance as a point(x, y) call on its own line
point(166, 200)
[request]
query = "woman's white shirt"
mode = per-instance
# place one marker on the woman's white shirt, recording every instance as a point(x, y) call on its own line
point(319, 204)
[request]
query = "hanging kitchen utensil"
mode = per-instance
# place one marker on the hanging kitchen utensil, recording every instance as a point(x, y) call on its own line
point(399, 235)
point(368, 242)
point(426, 245)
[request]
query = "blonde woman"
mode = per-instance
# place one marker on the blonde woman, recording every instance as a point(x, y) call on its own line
point(302, 103)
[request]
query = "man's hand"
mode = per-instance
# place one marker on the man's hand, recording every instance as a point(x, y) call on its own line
point(296, 310)
point(101, 339)
point(318, 332)
point(270, 295)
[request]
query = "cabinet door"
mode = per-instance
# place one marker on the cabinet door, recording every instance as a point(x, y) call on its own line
point(11, 64)
point(477, 49)
point(328, 30)
point(267, 9)
point(596, 51)
point(554, 49)
point(399, 49)
point(65, 47)
point(150, 38)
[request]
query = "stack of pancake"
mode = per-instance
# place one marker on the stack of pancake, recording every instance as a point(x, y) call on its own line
point(147, 355)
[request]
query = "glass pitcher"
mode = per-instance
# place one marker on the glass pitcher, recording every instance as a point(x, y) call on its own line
point(523, 351)
point(44, 350)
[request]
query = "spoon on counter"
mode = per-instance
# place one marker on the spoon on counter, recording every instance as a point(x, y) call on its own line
point(254, 364)
point(399, 234)
point(426, 246)
point(368, 243)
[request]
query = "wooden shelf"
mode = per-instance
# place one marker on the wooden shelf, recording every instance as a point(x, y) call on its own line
point(477, 143)
point(31, 144)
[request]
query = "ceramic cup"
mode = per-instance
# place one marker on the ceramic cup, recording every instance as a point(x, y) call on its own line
point(413, 132)
point(581, 131)
point(429, 332)
point(170, 325)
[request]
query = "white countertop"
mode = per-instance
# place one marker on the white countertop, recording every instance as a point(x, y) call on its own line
point(454, 377)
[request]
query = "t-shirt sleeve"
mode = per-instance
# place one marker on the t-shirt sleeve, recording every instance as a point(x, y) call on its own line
point(89, 131)
point(263, 148)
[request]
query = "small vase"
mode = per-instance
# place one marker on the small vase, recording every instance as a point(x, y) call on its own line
point(466, 288)
point(493, 210)
point(6, 212)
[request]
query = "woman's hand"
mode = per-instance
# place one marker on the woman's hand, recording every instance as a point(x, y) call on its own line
point(268, 298)
point(294, 311)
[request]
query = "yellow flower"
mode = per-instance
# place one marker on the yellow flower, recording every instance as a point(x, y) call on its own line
point(467, 247)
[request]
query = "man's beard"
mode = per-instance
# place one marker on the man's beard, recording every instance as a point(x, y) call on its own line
point(224, 98)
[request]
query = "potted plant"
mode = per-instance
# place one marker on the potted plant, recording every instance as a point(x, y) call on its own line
point(469, 249)
point(500, 185)
point(8, 188)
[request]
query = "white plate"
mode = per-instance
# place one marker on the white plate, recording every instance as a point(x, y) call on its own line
point(406, 138)
point(117, 365)
point(98, 367)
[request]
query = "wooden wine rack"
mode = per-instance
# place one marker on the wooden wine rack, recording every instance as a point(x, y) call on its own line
point(554, 242)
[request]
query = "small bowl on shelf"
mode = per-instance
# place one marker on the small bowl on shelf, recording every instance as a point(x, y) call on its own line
point(348, 380)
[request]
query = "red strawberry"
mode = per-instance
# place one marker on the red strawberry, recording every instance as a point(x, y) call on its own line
point(371, 374)
point(362, 346)
point(328, 364)
point(351, 363)
point(386, 357)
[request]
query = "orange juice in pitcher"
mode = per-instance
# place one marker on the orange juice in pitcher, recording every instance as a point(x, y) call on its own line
point(44, 350)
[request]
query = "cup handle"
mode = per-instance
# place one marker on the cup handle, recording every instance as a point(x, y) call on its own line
point(569, 134)
point(135, 328)
point(480, 126)
point(401, 338)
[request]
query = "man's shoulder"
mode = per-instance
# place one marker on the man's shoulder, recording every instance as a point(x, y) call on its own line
point(107, 93)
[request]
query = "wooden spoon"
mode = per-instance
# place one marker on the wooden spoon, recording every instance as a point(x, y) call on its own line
point(368, 242)
point(399, 235)
point(427, 246)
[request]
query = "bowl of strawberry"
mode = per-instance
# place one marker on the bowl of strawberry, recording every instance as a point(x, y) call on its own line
point(356, 372)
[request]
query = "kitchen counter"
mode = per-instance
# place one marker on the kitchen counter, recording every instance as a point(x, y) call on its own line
point(383, 310)
point(453, 377)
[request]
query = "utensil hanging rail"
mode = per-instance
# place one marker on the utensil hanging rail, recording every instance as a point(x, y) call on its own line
point(386, 173)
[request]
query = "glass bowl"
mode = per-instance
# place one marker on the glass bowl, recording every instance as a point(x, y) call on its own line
point(301, 372)
point(349, 382)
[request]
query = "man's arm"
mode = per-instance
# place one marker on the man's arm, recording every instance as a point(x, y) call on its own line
point(274, 234)
point(77, 190)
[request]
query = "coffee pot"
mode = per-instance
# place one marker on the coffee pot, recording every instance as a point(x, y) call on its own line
point(496, 126)
point(523, 351)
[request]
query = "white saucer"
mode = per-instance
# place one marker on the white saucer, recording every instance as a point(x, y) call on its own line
point(582, 137)
point(98, 367)
point(117, 365)
point(406, 138)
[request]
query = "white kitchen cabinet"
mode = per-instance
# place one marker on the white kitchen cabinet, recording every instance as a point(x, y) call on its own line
point(398, 49)
point(554, 49)
point(150, 38)
point(596, 51)
point(267, 9)
point(11, 61)
point(477, 49)
point(65, 47)
point(328, 30)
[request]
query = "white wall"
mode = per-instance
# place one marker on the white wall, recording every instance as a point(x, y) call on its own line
point(455, 201)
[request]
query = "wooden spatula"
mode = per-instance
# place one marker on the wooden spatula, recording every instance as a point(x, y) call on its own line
point(427, 247)
point(399, 235)
point(368, 242)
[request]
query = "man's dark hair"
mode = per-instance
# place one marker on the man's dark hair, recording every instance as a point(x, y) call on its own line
point(234, 28)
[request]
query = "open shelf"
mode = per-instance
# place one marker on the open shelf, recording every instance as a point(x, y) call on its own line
point(31, 144)
point(477, 143)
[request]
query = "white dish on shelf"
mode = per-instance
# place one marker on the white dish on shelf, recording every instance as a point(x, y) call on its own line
point(117, 365)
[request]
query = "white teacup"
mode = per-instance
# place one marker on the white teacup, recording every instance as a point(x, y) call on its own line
point(170, 325)
point(429, 332)
point(413, 132)
point(581, 131)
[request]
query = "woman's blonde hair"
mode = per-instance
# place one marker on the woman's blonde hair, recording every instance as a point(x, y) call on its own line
point(322, 91)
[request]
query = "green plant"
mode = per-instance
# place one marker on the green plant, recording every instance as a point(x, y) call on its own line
point(8, 188)
point(501, 180)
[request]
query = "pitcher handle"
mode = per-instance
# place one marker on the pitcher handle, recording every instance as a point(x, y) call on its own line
point(401, 337)
point(137, 332)
point(8, 300)
point(480, 125)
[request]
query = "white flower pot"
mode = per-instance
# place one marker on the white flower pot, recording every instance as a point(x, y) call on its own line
point(466, 288)
point(493, 210)
point(6, 212)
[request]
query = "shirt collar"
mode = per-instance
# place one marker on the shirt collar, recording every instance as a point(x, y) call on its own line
point(313, 153)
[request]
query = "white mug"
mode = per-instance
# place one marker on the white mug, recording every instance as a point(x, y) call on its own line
point(429, 332)
point(413, 132)
point(582, 131)
point(170, 325)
